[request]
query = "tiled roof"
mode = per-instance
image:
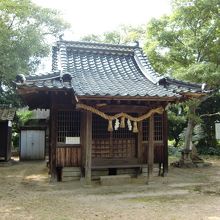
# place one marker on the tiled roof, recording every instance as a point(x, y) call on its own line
point(92, 69)
point(7, 114)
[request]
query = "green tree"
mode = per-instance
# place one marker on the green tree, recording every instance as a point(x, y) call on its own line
point(92, 38)
point(25, 30)
point(177, 122)
point(124, 34)
point(209, 112)
point(186, 44)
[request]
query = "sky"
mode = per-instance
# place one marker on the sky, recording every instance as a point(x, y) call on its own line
point(99, 16)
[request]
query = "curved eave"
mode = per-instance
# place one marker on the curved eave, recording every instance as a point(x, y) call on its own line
point(24, 89)
point(131, 98)
point(194, 95)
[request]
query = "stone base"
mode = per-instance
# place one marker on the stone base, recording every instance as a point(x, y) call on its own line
point(115, 180)
point(189, 160)
point(192, 164)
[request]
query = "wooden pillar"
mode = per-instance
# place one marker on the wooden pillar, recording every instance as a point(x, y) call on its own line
point(150, 160)
point(88, 146)
point(111, 143)
point(165, 144)
point(139, 145)
point(8, 151)
point(82, 139)
point(53, 138)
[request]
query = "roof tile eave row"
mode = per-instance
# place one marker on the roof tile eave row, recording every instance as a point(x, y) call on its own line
point(177, 96)
point(7, 114)
point(102, 93)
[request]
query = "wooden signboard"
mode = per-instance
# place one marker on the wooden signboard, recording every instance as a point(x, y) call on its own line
point(217, 130)
point(72, 140)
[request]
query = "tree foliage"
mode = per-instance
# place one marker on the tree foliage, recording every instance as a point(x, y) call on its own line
point(125, 34)
point(206, 109)
point(177, 122)
point(24, 31)
point(186, 44)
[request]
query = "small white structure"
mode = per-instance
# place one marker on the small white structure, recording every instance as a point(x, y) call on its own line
point(32, 144)
point(217, 130)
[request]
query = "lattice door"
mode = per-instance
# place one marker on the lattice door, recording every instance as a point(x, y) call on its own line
point(117, 144)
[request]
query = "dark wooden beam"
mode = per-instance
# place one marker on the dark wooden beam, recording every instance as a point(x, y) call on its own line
point(88, 147)
point(129, 98)
point(65, 107)
point(165, 144)
point(52, 142)
point(140, 139)
point(150, 160)
point(124, 108)
point(83, 138)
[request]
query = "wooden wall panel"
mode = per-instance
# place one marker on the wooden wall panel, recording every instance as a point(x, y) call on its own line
point(68, 156)
point(3, 139)
point(121, 148)
point(158, 152)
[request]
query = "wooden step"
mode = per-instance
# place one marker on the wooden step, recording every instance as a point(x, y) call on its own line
point(71, 174)
point(97, 173)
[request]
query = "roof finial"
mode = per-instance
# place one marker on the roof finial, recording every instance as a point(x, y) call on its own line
point(61, 36)
point(203, 86)
point(136, 43)
point(20, 78)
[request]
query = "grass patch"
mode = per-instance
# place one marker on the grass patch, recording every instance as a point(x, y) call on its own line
point(173, 159)
point(212, 190)
point(159, 199)
point(197, 189)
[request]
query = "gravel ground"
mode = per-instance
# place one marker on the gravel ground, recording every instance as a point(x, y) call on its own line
point(27, 193)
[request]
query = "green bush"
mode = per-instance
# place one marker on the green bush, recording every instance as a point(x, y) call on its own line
point(21, 119)
point(174, 151)
point(209, 151)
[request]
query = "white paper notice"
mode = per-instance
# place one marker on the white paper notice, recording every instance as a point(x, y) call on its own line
point(72, 140)
point(9, 124)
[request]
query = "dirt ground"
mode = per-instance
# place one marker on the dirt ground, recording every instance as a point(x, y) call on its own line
point(27, 193)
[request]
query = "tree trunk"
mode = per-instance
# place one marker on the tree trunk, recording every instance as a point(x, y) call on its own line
point(188, 135)
point(189, 129)
point(177, 140)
